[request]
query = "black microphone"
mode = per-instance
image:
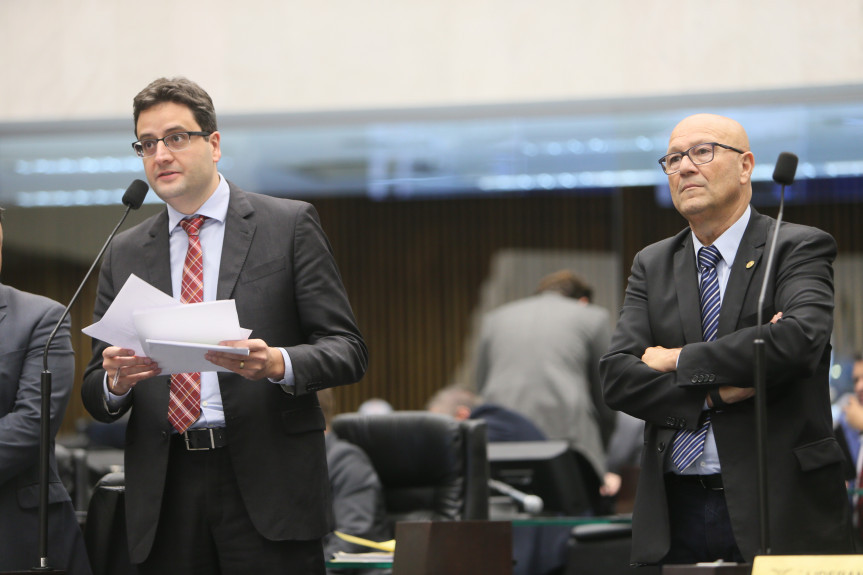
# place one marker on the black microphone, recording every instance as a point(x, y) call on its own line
point(132, 199)
point(783, 173)
point(137, 191)
point(530, 503)
point(786, 167)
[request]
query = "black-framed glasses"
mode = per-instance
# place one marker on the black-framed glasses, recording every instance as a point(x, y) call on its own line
point(175, 142)
point(698, 154)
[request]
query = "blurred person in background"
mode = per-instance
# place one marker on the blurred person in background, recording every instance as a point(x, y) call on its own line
point(358, 500)
point(540, 357)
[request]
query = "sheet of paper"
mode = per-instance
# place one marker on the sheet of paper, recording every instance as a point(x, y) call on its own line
point(173, 334)
point(181, 357)
point(205, 322)
point(116, 326)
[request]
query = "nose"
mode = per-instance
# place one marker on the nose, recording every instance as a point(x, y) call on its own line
point(162, 151)
point(686, 164)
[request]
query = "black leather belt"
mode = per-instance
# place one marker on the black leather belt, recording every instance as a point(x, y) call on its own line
point(712, 482)
point(203, 439)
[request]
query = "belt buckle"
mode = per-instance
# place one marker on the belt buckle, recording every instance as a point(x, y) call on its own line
point(206, 448)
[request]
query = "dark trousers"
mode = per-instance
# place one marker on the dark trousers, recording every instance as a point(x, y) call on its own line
point(204, 527)
point(700, 524)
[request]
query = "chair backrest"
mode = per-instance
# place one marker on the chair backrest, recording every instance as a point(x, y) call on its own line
point(431, 466)
point(105, 531)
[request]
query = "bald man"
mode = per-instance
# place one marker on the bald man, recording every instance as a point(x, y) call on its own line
point(689, 374)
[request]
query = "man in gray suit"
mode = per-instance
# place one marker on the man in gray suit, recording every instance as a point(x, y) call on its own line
point(235, 479)
point(681, 359)
point(540, 357)
point(26, 322)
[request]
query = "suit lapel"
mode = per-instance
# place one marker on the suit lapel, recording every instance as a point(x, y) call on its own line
point(686, 284)
point(156, 250)
point(746, 263)
point(239, 231)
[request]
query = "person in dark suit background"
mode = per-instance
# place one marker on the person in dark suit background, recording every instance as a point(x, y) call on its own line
point(849, 428)
point(26, 322)
point(663, 369)
point(502, 424)
point(244, 488)
point(358, 498)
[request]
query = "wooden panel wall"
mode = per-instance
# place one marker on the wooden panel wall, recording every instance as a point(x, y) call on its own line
point(413, 270)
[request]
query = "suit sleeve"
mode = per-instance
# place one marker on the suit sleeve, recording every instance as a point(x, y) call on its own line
point(92, 392)
point(802, 289)
point(628, 384)
point(334, 352)
point(598, 345)
point(357, 501)
point(20, 429)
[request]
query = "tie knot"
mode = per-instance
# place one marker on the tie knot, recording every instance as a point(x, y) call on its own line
point(193, 224)
point(708, 257)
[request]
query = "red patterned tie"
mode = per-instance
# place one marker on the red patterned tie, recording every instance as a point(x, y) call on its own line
point(184, 405)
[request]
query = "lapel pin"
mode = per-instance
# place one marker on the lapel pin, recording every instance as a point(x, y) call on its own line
point(749, 264)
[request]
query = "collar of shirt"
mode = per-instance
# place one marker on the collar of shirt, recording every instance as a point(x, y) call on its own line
point(216, 207)
point(727, 244)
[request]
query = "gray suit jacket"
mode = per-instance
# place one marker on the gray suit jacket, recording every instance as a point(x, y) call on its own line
point(807, 500)
point(279, 268)
point(539, 356)
point(26, 321)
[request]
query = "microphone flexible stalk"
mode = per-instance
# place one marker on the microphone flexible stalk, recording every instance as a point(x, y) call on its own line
point(786, 166)
point(133, 198)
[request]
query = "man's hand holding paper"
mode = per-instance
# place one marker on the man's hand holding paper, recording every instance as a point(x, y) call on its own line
point(262, 361)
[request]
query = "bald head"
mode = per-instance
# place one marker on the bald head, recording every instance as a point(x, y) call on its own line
point(725, 130)
point(712, 194)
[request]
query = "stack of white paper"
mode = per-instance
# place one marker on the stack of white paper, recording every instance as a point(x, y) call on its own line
point(174, 335)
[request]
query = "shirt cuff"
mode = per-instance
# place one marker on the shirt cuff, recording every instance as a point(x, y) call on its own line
point(287, 382)
point(112, 401)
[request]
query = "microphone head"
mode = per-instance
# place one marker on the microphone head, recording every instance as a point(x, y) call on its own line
point(135, 194)
point(786, 167)
point(532, 504)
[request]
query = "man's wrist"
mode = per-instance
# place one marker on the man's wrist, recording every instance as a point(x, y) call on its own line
point(716, 399)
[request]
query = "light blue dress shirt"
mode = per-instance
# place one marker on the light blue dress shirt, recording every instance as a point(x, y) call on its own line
point(727, 244)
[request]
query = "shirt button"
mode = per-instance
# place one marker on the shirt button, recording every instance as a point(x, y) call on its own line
point(204, 404)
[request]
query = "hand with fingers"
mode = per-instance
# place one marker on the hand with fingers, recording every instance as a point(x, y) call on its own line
point(125, 369)
point(262, 362)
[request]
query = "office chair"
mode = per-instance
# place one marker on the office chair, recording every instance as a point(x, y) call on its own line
point(105, 530)
point(431, 466)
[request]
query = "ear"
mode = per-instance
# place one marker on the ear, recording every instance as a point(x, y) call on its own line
point(215, 142)
point(747, 164)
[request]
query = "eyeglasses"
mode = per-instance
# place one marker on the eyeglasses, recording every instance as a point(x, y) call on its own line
point(698, 154)
point(175, 142)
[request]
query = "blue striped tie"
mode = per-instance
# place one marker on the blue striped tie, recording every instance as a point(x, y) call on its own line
point(687, 445)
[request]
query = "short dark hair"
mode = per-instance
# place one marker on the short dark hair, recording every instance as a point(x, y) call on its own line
point(567, 283)
point(181, 91)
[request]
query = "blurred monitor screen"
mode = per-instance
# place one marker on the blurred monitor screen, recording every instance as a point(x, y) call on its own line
point(547, 469)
